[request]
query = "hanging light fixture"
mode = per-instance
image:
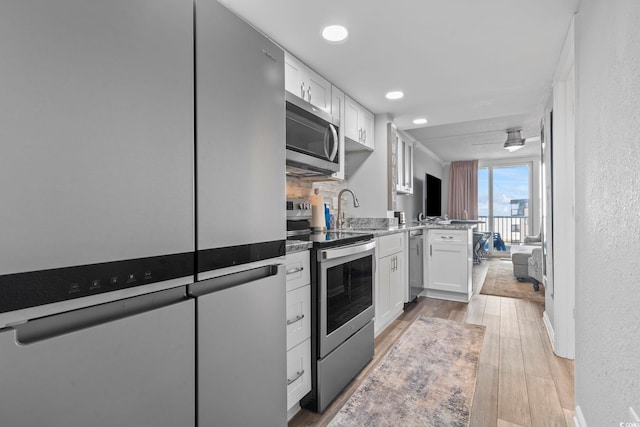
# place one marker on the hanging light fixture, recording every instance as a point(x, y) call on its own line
point(514, 140)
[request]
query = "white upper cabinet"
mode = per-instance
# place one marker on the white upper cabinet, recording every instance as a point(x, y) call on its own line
point(404, 182)
point(400, 165)
point(358, 126)
point(306, 84)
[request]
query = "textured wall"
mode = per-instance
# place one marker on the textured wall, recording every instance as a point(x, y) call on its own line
point(608, 211)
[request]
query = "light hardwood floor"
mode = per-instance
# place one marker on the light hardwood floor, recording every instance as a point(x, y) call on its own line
point(520, 381)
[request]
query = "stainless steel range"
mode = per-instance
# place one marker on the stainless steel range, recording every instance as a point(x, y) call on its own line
point(342, 271)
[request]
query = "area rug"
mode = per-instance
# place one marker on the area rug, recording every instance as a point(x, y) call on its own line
point(501, 281)
point(427, 379)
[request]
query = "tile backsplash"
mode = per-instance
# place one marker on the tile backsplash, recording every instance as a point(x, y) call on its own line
point(301, 188)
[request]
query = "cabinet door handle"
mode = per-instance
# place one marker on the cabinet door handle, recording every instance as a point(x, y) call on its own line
point(359, 135)
point(430, 250)
point(302, 90)
point(364, 132)
point(298, 318)
point(309, 93)
point(298, 375)
point(295, 270)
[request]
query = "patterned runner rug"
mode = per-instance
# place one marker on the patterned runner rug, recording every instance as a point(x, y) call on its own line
point(501, 281)
point(427, 379)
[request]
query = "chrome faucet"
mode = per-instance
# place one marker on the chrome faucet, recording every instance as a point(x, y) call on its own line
point(341, 219)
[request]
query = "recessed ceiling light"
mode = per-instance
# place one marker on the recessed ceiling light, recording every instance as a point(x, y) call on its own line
point(395, 94)
point(420, 121)
point(335, 34)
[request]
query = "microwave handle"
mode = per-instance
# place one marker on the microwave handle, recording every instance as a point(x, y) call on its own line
point(334, 150)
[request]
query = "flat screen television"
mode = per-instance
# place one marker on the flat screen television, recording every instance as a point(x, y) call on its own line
point(432, 196)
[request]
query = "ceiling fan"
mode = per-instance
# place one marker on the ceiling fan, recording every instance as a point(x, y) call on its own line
point(514, 140)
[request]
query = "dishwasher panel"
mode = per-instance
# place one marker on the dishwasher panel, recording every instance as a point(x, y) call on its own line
point(125, 363)
point(242, 349)
point(417, 262)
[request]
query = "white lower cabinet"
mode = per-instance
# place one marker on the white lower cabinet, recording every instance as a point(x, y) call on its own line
point(450, 265)
point(298, 315)
point(298, 327)
point(298, 372)
point(391, 283)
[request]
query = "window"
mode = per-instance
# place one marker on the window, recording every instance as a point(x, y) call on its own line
point(503, 203)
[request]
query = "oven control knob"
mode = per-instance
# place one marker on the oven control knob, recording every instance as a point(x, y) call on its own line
point(301, 206)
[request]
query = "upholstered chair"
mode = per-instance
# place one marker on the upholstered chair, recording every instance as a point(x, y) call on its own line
point(535, 267)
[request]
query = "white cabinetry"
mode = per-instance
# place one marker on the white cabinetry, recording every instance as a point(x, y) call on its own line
point(305, 83)
point(358, 126)
point(298, 327)
point(399, 165)
point(404, 182)
point(449, 264)
point(391, 285)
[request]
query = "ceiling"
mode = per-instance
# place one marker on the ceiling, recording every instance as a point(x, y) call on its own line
point(472, 68)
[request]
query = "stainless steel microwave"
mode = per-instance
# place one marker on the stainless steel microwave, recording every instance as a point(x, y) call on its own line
point(312, 139)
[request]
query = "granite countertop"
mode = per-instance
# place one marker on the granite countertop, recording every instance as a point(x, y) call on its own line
point(412, 225)
point(379, 227)
point(297, 246)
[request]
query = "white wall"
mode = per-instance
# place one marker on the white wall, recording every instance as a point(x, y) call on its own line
point(607, 365)
point(367, 174)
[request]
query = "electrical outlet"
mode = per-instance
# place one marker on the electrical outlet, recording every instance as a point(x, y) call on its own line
point(634, 415)
point(334, 203)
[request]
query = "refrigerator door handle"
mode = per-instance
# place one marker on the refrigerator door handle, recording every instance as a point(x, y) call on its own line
point(49, 327)
point(234, 279)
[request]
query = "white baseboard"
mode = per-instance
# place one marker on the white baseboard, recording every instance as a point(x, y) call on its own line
point(549, 328)
point(578, 418)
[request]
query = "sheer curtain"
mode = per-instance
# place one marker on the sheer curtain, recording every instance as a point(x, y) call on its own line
point(463, 190)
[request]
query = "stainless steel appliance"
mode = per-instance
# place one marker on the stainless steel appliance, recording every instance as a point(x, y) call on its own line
point(344, 322)
point(97, 197)
point(121, 363)
point(241, 348)
point(342, 277)
point(402, 218)
point(416, 264)
point(240, 288)
point(97, 209)
point(312, 139)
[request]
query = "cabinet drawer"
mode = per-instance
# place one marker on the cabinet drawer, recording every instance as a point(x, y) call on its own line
point(449, 236)
point(298, 372)
point(298, 270)
point(391, 244)
point(298, 316)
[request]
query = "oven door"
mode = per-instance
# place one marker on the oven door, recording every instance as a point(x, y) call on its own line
point(345, 278)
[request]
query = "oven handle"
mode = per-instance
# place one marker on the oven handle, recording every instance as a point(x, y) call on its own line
point(333, 253)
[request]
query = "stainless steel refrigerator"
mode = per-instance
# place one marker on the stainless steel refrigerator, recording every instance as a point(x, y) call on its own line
point(240, 217)
point(96, 182)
